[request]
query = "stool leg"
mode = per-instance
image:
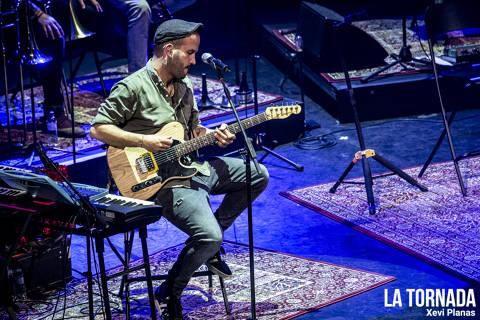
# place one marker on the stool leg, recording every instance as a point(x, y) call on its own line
point(103, 276)
point(225, 297)
point(146, 260)
point(89, 279)
point(128, 249)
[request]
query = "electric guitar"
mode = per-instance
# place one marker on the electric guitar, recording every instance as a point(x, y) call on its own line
point(139, 173)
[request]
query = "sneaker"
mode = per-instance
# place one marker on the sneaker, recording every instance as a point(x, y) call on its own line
point(168, 306)
point(216, 265)
point(64, 127)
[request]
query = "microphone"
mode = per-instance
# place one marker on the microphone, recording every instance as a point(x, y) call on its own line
point(217, 64)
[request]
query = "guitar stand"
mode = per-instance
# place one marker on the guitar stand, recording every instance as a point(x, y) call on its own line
point(370, 153)
point(365, 153)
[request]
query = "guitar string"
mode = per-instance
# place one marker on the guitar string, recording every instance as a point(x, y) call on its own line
point(192, 145)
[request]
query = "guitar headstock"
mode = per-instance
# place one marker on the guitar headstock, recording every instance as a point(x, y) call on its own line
point(282, 112)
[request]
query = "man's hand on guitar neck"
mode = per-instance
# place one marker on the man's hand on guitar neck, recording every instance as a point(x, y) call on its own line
point(224, 137)
point(156, 143)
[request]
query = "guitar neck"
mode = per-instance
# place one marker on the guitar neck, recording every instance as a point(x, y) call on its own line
point(209, 139)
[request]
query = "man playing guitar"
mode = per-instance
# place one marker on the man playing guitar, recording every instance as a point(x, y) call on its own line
point(144, 112)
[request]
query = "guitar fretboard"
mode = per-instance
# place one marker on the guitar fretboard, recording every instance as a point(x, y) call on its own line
point(206, 140)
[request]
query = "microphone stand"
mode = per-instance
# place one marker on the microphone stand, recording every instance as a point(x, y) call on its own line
point(70, 65)
point(250, 154)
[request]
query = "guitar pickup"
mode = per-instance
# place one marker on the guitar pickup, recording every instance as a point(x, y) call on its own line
point(146, 163)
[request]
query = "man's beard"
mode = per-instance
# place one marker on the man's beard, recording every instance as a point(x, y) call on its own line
point(179, 70)
point(180, 76)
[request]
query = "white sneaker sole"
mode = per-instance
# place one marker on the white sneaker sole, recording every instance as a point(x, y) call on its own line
point(218, 272)
point(160, 307)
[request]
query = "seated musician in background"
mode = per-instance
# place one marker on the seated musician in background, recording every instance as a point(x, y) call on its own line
point(49, 35)
point(138, 106)
point(140, 13)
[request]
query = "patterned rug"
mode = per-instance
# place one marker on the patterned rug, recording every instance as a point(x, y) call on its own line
point(440, 227)
point(286, 286)
point(388, 33)
point(87, 98)
point(214, 87)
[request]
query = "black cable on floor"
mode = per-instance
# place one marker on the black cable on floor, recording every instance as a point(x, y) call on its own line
point(327, 140)
point(316, 142)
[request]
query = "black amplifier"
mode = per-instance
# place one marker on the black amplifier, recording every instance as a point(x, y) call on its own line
point(468, 52)
point(43, 270)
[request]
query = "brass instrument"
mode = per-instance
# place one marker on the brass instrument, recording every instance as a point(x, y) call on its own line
point(77, 31)
point(32, 55)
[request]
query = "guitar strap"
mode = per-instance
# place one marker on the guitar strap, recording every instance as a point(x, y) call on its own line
point(190, 133)
point(185, 123)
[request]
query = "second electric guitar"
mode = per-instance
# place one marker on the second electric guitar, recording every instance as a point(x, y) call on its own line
point(139, 173)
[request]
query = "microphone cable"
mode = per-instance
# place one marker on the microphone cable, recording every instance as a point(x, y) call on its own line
point(316, 142)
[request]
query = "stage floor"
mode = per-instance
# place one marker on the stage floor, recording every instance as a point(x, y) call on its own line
point(284, 226)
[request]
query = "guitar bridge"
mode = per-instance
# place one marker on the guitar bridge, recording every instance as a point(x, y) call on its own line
point(146, 163)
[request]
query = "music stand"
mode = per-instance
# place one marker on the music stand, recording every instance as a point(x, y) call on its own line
point(364, 153)
point(403, 56)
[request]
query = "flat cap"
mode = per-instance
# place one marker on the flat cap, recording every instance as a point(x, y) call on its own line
point(174, 29)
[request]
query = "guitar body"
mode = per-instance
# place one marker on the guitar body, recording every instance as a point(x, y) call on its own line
point(126, 173)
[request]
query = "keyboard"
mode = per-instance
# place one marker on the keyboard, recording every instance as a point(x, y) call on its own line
point(11, 193)
point(113, 208)
point(86, 190)
point(2, 167)
point(119, 209)
point(41, 186)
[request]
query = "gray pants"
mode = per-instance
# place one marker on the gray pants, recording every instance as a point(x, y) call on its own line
point(138, 15)
point(189, 210)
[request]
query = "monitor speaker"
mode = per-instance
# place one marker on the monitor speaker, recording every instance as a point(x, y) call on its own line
point(285, 130)
point(325, 32)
